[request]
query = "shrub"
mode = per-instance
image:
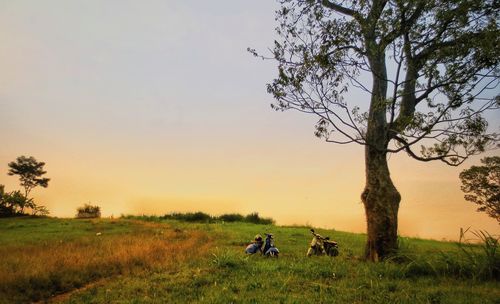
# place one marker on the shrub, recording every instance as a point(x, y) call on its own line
point(189, 217)
point(231, 217)
point(201, 217)
point(88, 211)
point(6, 208)
point(256, 219)
point(13, 203)
point(39, 210)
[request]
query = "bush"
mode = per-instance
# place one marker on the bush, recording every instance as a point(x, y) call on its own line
point(6, 207)
point(13, 203)
point(41, 211)
point(201, 217)
point(88, 211)
point(231, 217)
point(189, 217)
point(256, 219)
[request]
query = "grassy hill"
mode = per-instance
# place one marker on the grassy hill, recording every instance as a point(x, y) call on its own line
point(168, 261)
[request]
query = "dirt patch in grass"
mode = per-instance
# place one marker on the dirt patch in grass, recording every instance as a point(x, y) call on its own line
point(65, 296)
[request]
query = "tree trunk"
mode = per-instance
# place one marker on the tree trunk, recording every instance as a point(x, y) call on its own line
point(380, 197)
point(381, 200)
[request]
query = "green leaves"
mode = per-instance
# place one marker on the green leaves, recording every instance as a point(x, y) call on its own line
point(88, 211)
point(481, 185)
point(13, 203)
point(445, 53)
point(30, 173)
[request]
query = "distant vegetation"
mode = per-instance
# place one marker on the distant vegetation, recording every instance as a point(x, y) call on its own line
point(88, 211)
point(16, 203)
point(11, 203)
point(201, 217)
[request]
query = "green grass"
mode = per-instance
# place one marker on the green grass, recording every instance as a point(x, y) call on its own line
point(221, 273)
point(33, 230)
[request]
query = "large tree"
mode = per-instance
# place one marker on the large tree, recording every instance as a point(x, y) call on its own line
point(427, 70)
point(481, 185)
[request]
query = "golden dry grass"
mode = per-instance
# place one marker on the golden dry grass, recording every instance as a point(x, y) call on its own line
point(34, 272)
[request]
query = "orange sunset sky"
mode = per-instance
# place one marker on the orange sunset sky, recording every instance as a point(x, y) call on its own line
point(153, 108)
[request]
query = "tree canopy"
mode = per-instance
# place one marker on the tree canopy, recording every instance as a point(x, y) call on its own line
point(30, 173)
point(481, 185)
point(436, 62)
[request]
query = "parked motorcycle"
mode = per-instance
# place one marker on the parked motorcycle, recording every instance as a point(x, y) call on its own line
point(322, 245)
point(255, 246)
point(269, 249)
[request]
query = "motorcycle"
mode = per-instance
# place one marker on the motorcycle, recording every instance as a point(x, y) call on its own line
point(322, 245)
point(255, 246)
point(269, 249)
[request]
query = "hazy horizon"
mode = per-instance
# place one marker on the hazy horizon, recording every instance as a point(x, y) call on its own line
point(150, 109)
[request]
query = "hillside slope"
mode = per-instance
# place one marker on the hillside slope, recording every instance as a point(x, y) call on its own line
point(131, 261)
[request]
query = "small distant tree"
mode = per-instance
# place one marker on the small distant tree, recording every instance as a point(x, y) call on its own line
point(88, 211)
point(30, 173)
point(12, 203)
point(481, 185)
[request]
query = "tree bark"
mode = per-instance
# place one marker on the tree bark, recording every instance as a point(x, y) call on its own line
point(381, 200)
point(380, 197)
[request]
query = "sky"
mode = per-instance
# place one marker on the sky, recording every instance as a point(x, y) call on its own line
point(155, 107)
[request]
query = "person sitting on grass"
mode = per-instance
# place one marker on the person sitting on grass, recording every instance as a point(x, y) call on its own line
point(255, 246)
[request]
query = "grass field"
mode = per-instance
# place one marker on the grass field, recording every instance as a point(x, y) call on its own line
point(167, 261)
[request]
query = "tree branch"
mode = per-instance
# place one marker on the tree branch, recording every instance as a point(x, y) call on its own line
point(340, 9)
point(443, 158)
